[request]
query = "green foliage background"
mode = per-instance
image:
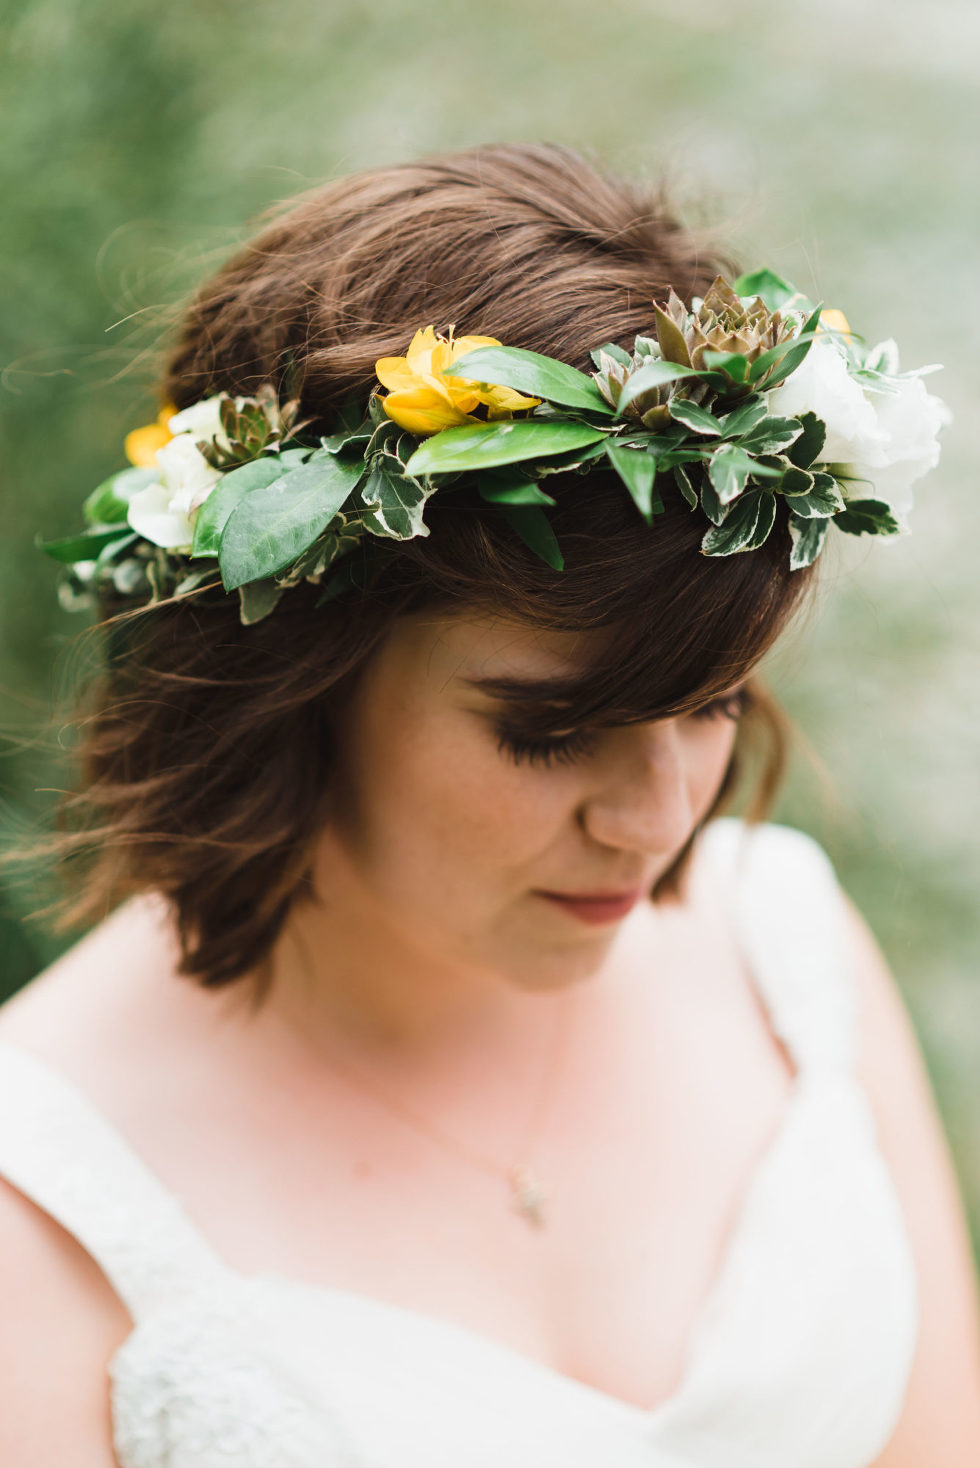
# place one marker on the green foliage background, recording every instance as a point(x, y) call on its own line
point(834, 142)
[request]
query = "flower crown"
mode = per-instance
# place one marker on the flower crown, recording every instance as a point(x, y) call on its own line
point(750, 394)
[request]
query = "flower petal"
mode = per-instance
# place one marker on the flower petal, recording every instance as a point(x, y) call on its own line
point(142, 443)
point(419, 352)
point(833, 320)
point(151, 515)
point(202, 420)
point(394, 373)
point(422, 411)
point(466, 344)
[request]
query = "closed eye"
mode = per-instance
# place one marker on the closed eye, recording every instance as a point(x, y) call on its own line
point(557, 749)
point(565, 749)
point(728, 706)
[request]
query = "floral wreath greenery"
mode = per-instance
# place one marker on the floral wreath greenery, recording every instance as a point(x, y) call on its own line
point(749, 395)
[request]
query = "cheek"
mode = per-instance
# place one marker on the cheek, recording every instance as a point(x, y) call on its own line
point(712, 747)
point(450, 800)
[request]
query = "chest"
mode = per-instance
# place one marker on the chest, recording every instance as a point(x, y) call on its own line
point(656, 1138)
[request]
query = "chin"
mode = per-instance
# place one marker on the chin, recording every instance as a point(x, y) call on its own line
point(563, 968)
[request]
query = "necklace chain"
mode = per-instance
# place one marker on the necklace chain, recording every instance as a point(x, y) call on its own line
point(528, 1194)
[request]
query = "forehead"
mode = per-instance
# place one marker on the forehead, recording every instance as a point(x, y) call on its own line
point(553, 678)
point(463, 649)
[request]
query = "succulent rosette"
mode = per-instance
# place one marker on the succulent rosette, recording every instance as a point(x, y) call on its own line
point(748, 403)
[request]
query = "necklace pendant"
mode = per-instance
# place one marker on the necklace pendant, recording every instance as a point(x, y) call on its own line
point(528, 1195)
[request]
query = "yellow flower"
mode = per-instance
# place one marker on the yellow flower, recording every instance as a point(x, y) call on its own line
point(141, 445)
point(420, 399)
point(833, 320)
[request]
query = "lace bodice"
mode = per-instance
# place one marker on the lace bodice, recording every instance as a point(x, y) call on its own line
point(799, 1359)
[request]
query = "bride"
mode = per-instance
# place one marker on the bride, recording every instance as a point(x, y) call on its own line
point(445, 1078)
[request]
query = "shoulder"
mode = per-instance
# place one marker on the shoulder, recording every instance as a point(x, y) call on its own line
point(62, 1320)
point(61, 1325)
point(796, 890)
point(940, 1422)
point(754, 845)
point(114, 996)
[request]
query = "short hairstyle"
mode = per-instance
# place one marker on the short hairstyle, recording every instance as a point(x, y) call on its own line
point(205, 752)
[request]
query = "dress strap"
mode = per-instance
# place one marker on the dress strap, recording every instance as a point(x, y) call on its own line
point(788, 909)
point(59, 1151)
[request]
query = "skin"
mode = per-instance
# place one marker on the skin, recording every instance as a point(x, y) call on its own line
point(433, 967)
point(440, 844)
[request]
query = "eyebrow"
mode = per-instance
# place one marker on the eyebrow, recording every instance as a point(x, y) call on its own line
point(542, 699)
point(545, 704)
point(545, 691)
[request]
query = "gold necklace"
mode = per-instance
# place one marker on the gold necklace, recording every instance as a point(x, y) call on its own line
point(527, 1193)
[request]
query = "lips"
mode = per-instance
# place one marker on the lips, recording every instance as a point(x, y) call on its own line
point(595, 907)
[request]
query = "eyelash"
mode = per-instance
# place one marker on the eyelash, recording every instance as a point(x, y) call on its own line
point(571, 747)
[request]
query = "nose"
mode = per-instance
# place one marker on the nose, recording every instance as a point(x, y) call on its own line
point(642, 799)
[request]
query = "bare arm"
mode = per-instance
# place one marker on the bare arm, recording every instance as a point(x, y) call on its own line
point(59, 1325)
point(940, 1422)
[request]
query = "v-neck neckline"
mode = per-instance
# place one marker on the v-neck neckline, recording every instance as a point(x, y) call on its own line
point(697, 1346)
point(698, 1337)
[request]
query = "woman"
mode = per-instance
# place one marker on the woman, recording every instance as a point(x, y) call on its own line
point(481, 1156)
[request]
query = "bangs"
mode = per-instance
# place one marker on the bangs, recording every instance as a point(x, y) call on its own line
point(666, 629)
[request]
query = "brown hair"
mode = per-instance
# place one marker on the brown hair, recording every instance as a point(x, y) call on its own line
point(205, 752)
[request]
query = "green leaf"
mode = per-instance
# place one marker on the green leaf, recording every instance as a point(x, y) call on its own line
point(868, 517)
point(530, 372)
point(774, 291)
point(746, 525)
point(338, 443)
point(807, 538)
point(826, 484)
point(694, 417)
point(733, 364)
point(796, 481)
point(728, 470)
point(531, 524)
point(394, 504)
point(711, 504)
point(503, 488)
point(257, 599)
point(577, 459)
point(84, 547)
point(108, 504)
point(350, 416)
point(227, 493)
point(772, 435)
point(744, 417)
point(610, 349)
point(670, 338)
point(807, 448)
point(883, 358)
point(683, 481)
point(653, 374)
point(787, 355)
point(194, 579)
point(767, 518)
point(114, 550)
point(486, 445)
point(271, 526)
point(822, 501)
point(637, 469)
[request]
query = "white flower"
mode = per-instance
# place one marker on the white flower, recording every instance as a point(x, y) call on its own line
point(164, 513)
point(910, 421)
point(201, 420)
point(886, 440)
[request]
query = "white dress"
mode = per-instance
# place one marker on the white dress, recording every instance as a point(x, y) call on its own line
point(800, 1358)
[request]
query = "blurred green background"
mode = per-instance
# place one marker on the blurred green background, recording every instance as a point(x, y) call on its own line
point(835, 142)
